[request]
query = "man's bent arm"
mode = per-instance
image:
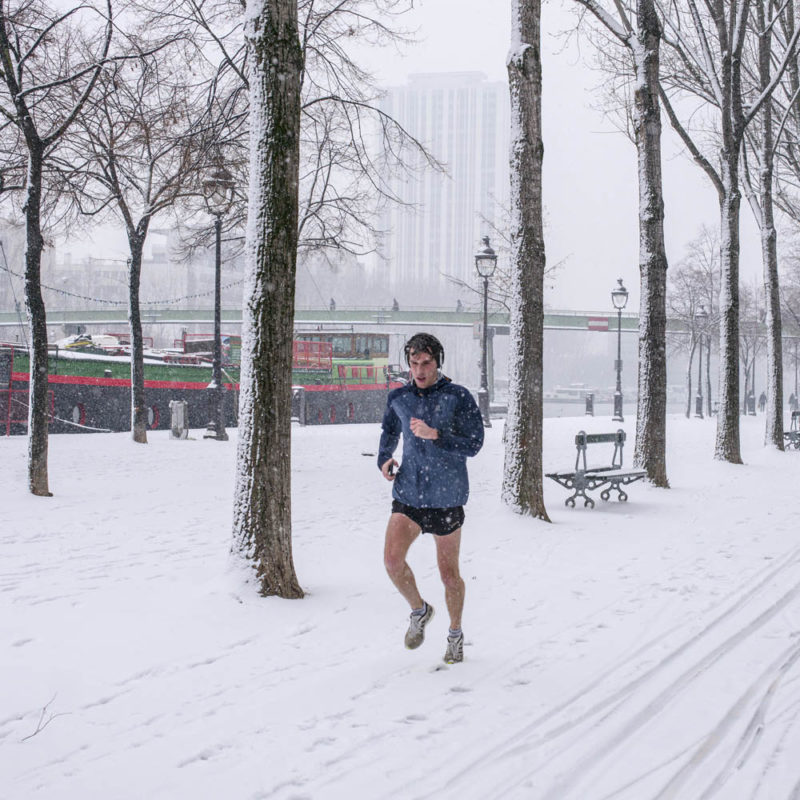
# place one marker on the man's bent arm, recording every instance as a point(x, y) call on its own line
point(467, 438)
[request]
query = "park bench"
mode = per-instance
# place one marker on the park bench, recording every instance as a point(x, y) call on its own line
point(792, 436)
point(583, 478)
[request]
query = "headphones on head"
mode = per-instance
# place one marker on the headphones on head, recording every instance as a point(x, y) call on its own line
point(425, 343)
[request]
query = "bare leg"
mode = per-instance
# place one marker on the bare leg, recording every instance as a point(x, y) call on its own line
point(400, 535)
point(447, 550)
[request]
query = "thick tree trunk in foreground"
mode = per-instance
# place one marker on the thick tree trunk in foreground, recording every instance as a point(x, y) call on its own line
point(773, 434)
point(262, 526)
point(523, 475)
point(651, 413)
point(727, 447)
point(38, 405)
point(731, 36)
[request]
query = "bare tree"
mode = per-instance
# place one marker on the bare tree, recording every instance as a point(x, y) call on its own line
point(761, 143)
point(349, 147)
point(49, 67)
point(708, 53)
point(137, 152)
point(636, 28)
point(695, 291)
point(688, 304)
point(310, 112)
point(522, 474)
point(262, 525)
point(682, 305)
point(706, 43)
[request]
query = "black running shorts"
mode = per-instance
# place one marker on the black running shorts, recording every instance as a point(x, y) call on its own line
point(439, 521)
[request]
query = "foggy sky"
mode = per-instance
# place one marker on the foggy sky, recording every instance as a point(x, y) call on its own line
point(590, 181)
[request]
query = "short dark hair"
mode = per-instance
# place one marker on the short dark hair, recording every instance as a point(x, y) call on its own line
point(425, 343)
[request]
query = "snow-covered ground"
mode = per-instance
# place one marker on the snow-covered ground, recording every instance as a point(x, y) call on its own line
point(637, 650)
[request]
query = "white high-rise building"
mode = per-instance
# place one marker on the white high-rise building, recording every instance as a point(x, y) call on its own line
point(463, 120)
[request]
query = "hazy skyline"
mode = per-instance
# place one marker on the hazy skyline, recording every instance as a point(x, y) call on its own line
point(590, 180)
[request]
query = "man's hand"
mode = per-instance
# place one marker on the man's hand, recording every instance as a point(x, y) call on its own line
point(423, 430)
point(389, 465)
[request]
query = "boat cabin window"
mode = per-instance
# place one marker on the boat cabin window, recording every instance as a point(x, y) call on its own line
point(342, 346)
point(350, 345)
point(379, 345)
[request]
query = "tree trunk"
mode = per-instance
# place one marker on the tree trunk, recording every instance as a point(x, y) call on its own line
point(38, 402)
point(762, 205)
point(730, 34)
point(727, 446)
point(262, 525)
point(651, 412)
point(773, 432)
point(522, 474)
point(724, 79)
point(14, 71)
point(138, 404)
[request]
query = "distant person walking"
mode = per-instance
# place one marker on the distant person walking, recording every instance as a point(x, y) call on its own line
point(762, 401)
point(441, 425)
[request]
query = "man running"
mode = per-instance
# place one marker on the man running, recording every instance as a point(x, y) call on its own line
point(441, 426)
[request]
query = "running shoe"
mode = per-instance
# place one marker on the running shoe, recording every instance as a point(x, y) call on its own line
point(416, 626)
point(455, 649)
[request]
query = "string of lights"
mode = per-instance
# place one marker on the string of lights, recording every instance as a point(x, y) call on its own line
point(102, 301)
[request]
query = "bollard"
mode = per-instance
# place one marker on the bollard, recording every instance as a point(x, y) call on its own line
point(299, 404)
point(179, 423)
point(589, 405)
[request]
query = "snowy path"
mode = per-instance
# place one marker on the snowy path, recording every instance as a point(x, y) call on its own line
point(634, 651)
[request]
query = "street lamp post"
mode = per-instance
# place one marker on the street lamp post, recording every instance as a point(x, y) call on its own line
point(700, 319)
point(218, 192)
point(619, 297)
point(485, 263)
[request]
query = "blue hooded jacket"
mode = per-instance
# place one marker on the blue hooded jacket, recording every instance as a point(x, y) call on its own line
point(433, 473)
